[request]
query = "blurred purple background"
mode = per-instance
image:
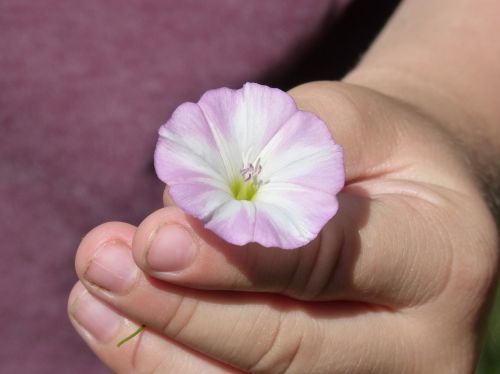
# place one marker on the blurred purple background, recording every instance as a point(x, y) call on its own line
point(84, 86)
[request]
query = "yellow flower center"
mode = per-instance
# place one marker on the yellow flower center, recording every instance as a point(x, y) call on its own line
point(246, 186)
point(244, 190)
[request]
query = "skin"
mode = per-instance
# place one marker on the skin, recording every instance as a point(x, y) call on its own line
point(398, 281)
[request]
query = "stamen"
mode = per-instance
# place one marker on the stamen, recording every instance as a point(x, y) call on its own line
point(251, 172)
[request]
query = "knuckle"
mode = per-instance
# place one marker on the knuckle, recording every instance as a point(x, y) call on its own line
point(476, 258)
point(282, 350)
point(180, 317)
point(329, 99)
point(358, 118)
point(477, 271)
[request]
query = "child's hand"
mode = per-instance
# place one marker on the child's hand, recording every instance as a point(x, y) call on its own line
point(396, 282)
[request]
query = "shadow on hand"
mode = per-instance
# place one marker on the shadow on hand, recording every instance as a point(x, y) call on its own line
point(352, 216)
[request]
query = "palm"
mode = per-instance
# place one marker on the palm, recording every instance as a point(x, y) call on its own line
point(391, 269)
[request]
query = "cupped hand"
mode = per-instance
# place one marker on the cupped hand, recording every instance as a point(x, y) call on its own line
point(396, 282)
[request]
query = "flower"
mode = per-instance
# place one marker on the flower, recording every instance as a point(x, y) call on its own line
point(251, 166)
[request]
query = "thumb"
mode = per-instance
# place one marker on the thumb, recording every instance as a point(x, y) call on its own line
point(360, 120)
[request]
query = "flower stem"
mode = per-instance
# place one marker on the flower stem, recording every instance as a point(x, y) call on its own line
point(136, 332)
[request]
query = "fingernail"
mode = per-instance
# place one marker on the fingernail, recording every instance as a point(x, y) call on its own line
point(96, 318)
point(172, 249)
point(112, 268)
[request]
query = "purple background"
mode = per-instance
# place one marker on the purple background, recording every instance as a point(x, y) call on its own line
point(84, 86)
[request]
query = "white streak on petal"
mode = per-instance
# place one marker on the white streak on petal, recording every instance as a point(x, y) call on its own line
point(221, 109)
point(186, 147)
point(175, 163)
point(246, 118)
point(266, 110)
point(188, 161)
point(234, 221)
point(303, 152)
point(289, 216)
point(199, 199)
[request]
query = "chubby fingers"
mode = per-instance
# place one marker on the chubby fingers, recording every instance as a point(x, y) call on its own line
point(172, 246)
point(251, 332)
point(372, 251)
point(102, 326)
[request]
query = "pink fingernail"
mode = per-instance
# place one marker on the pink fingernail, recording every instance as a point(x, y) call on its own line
point(95, 317)
point(113, 268)
point(172, 249)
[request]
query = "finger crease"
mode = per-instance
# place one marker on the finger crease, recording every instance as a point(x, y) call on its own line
point(167, 325)
point(269, 350)
point(333, 271)
point(294, 355)
point(314, 264)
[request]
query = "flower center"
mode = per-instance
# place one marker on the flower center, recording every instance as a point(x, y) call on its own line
point(246, 186)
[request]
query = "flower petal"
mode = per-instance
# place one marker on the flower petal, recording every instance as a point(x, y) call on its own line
point(247, 118)
point(199, 200)
point(188, 160)
point(303, 152)
point(186, 150)
point(234, 221)
point(289, 216)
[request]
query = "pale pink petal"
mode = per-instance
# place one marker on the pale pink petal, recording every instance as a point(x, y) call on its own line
point(303, 152)
point(290, 216)
point(186, 149)
point(188, 160)
point(247, 118)
point(234, 221)
point(199, 199)
point(221, 109)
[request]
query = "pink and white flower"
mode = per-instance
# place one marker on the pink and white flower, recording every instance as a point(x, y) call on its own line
point(251, 166)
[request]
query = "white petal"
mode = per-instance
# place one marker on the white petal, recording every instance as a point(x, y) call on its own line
point(199, 199)
point(234, 221)
point(303, 152)
point(187, 159)
point(187, 149)
point(247, 118)
point(289, 216)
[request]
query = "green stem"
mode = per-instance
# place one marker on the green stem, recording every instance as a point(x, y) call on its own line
point(136, 332)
